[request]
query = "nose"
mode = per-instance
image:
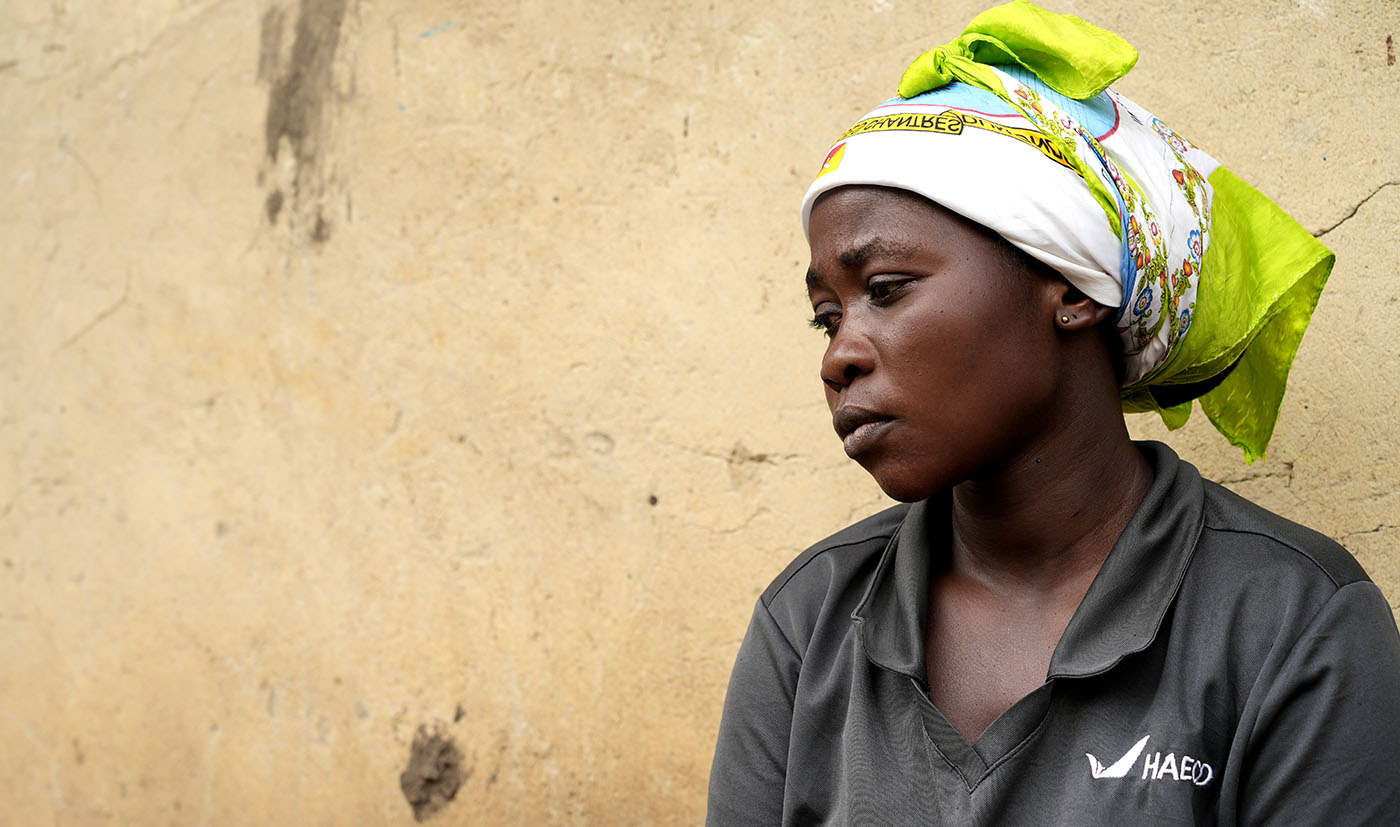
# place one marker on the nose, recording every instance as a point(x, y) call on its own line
point(849, 355)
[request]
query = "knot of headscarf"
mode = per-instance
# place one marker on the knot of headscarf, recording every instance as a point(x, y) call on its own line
point(1068, 54)
point(1013, 126)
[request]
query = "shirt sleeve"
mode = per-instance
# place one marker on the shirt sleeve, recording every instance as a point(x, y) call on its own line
point(1326, 743)
point(750, 765)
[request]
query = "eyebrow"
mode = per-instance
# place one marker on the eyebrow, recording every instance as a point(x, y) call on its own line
point(859, 254)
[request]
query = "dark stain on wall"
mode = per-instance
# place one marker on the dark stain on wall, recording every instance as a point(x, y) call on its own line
point(321, 230)
point(434, 773)
point(273, 205)
point(299, 94)
point(270, 51)
point(301, 84)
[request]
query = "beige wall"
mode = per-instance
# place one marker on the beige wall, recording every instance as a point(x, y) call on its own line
point(370, 366)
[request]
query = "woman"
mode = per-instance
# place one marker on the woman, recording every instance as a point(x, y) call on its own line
point(1060, 626)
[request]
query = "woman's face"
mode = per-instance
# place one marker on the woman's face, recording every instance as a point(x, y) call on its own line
point(941, 359)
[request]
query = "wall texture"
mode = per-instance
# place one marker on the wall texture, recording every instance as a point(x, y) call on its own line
point(375, 374)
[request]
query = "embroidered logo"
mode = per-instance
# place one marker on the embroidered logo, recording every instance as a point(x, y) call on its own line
point(1121, 766)
point(1155, 766)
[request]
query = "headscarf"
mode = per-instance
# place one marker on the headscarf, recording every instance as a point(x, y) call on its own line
point(1013, 126)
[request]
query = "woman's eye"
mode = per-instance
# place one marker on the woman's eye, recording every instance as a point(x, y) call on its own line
point(826, 322)
point(882, 290)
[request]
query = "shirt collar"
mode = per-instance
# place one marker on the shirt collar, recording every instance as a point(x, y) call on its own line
point(1119, 615)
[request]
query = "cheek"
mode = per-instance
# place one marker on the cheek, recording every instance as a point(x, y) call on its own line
point(936, 346)
point(972, 366)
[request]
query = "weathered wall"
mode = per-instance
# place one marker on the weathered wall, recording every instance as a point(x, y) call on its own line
point(365, 368)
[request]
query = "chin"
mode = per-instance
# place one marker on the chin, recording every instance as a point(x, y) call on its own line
point(907, 488)
point(912, 475)
point(907, 495)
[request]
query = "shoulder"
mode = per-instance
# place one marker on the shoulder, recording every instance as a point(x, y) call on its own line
point(826, 581)
point(1257, 582)
point(815, 566)
point(1245, 534)
point(1296, 650)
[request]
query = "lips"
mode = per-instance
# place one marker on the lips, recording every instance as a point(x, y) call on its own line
point(859, 428)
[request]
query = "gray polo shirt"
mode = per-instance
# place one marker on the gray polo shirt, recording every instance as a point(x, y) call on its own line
point(1226, 666)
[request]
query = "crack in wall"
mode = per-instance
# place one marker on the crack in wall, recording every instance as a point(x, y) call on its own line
point(1283, 471)
point(67, 149)
point(154, 44)
point(1377, 530)
point(1344, 219)
point(100, 317)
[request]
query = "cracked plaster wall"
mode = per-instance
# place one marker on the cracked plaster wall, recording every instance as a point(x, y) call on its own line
point(365, 369)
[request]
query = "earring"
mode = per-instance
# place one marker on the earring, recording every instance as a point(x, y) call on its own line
point(1064, 319)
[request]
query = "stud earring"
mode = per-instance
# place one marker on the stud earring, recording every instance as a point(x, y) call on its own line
point(1064, 319)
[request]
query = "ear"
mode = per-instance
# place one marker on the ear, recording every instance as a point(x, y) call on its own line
point(1075, 311)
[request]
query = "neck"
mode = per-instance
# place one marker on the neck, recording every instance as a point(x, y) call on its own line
point(1045, 521)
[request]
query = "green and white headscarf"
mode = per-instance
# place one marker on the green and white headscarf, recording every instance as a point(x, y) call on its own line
point(1013, 126)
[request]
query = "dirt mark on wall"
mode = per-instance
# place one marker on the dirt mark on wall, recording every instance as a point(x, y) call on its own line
point(434, 773)
point(300, 85)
